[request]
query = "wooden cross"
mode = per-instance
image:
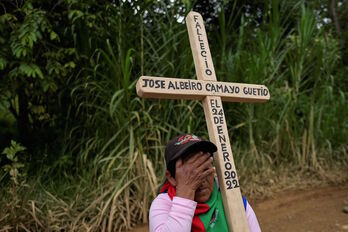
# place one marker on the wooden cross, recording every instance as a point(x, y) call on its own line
point(211, 93)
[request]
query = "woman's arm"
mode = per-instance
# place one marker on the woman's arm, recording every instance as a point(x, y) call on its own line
point(167, 215)
point(252, 219)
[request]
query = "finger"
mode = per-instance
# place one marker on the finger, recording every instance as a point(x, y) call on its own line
point(206, 165)
point(203, 162)
point(206, 156)
point(207, 153)
point(199, 159)
point(193, 157)
point(207, 172)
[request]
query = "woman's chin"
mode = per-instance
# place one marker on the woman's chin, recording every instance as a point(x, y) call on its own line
point(202, 195)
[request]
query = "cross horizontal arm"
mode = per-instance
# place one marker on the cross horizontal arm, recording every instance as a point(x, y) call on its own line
point(175, 88)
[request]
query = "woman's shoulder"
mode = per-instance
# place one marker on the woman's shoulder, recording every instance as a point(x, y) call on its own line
point(161, 200)
point(162, 197)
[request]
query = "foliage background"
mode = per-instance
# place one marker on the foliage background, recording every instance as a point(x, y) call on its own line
point(81, 151)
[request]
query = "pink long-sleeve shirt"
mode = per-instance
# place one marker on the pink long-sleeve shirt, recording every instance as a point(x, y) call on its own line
point(169, 216)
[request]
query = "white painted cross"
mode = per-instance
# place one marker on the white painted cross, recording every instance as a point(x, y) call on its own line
point(211, 93)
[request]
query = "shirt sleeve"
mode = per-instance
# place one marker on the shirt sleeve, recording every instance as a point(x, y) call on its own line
point(252, 220)
point(166, 215)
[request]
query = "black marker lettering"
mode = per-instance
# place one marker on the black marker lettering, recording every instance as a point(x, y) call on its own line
point(206, 63)
point(208, 72)
point(219, 88)
point(199, 86)
point(226, 89)
point(228, 165)
point(216, 120)
point(219, 129)
point(207, 87)
point(222, 138)
point(171, 85)
point(237, 89)
point(245, 90)
point(216, 104)
point(223, 147)
point(211, 102)
point(151, 83)
point(145, 82)
point(225, 155)
point(204, 53)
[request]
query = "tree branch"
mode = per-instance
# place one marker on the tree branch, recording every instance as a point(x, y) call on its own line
point(334, 16)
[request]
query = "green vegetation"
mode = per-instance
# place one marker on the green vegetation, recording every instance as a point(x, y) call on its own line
point(81, 151)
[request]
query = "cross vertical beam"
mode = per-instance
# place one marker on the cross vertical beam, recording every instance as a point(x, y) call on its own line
point(217, 128)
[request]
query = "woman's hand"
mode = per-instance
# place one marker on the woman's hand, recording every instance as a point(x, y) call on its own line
point(191, 172)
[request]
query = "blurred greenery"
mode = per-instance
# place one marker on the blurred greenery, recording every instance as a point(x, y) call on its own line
point(94, 149)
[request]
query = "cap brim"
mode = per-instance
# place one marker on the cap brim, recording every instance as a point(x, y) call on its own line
point(205, 146)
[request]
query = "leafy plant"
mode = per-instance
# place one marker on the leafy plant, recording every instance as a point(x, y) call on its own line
point(33, 64)
point(15, 166)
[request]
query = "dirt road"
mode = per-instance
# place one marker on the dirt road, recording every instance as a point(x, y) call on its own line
point(315, 209)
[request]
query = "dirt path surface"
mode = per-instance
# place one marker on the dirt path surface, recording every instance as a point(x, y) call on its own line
point(310, 210)
point(319, 209)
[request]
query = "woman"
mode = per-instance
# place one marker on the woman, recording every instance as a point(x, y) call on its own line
point(190, 199)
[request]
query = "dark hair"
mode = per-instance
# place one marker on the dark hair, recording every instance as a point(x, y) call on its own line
point(171, 168)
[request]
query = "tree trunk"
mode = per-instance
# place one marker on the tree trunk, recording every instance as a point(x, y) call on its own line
point(23, 118)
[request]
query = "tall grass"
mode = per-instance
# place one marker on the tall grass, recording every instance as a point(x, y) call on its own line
point(118, 139)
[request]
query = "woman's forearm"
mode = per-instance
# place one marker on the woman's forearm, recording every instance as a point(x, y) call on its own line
point(167, 215)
